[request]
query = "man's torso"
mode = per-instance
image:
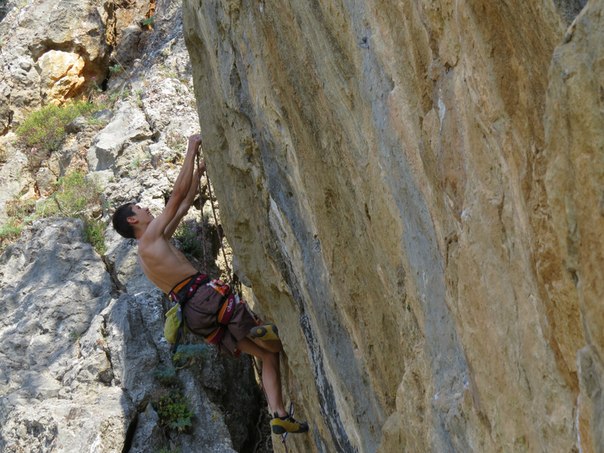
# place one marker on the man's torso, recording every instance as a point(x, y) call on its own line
point(163, 263)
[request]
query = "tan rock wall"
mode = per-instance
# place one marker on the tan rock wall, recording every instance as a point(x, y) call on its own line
point(399, 182)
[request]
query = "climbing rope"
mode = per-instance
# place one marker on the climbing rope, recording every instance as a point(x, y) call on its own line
point(232, 277)
point(218, 229)
point(234, 281)
point(203, 236)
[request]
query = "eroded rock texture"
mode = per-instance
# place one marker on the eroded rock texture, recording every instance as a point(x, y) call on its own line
point(414, 191)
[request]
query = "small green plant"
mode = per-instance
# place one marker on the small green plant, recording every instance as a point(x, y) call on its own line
point(95, 234)
point(116, 69)
point(74, 335)
point(148, 22)
point(73, 197)
point(166, 376)
point(190, 239)
point(43, 131)
point(173, 411)
point(189, 352)
point(20, 209)
point(10, 231)
point(20, 213)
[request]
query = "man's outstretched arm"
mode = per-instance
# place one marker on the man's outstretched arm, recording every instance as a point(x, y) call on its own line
point(187, 202)
point(180, 191)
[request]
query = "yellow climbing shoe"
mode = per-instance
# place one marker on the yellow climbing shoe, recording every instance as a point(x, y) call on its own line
point(267, 332)
point(287, 424)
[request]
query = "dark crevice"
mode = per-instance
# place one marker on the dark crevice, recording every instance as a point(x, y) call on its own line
point(117, 287)
point(130, 434)
point(245, 406)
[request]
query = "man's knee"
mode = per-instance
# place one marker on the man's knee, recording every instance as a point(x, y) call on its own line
point(271, 358)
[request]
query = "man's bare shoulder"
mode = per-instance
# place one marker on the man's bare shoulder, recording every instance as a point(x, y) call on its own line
point(151, 241)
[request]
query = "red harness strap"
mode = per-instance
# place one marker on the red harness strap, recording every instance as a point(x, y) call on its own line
point(227, 309)
point(183, 290)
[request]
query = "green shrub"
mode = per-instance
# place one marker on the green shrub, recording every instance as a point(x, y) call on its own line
point(43, 131)
point(75, 196)
point(116, 68)
point(20, 214)
point(148, 22)
point(166, 376)
point(189, 352)
point(10, 231)
point(95, 234)
point(190, 239)
point(20, 209)
point(173, 411)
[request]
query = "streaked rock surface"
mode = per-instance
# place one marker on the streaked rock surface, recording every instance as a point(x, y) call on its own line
point(414, 191)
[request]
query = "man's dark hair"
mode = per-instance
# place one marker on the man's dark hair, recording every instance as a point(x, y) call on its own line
point(120, 221)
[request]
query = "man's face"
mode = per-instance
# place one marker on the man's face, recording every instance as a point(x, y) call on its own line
point(142, 214)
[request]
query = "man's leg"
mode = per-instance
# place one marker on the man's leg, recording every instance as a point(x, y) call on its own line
point(281, 422)
point(271, 377)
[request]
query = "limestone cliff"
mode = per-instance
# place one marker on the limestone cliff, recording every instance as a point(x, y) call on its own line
point(414, 192)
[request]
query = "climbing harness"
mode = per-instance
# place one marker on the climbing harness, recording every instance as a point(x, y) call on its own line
point(226, 311)
point(174, 326)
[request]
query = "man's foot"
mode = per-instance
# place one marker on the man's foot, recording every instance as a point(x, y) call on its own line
point(267, 332)
point(287, 424)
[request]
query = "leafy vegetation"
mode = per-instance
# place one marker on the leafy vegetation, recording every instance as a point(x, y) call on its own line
point(43, 131)
point(116, 68)
point(190, 239)
point(166, 376)
point(94, 230)
point(148, 22)
point(20, 213)
point(173, 411)
point(9, 232)
point(187, 353)
point(75, 196)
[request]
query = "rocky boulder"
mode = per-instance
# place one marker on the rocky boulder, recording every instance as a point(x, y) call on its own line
point(57, 373)
point(81, 358)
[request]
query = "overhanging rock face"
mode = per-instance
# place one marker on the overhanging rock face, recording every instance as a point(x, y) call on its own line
point(393, 180)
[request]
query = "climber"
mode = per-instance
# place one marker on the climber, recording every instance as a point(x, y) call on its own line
point(170, 271)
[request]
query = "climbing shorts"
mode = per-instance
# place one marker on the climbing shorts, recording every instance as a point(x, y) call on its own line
point(202, 312)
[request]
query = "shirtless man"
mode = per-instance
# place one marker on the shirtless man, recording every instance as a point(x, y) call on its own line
point(170, 271)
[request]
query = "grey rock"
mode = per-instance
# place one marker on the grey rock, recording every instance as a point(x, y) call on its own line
point(52, 343)
point(148, 431)
point(127, 126)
